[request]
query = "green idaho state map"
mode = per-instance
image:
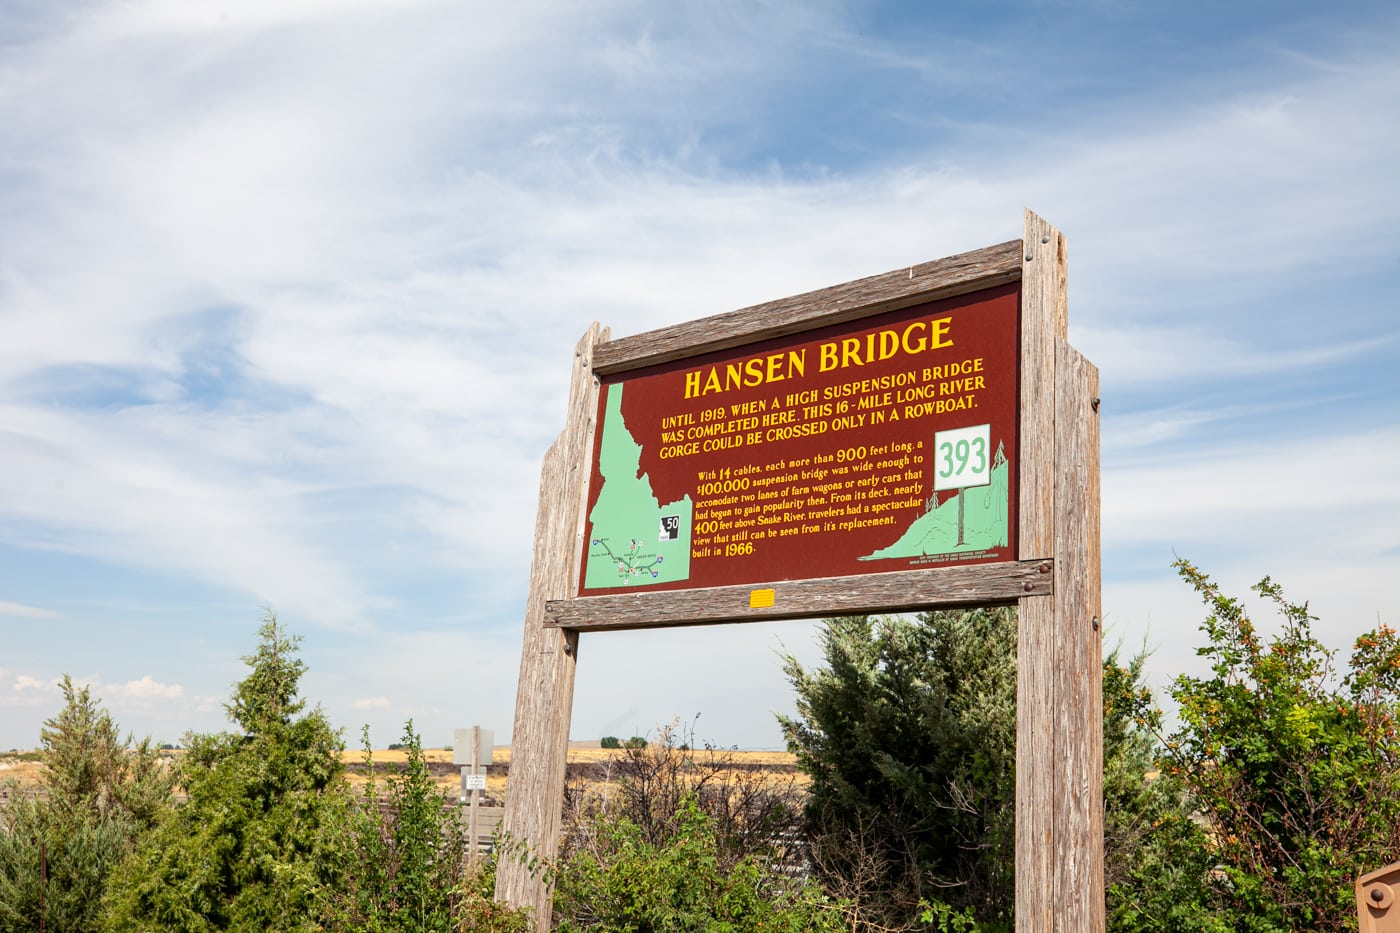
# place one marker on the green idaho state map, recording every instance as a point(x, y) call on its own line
point(972, 519)
point(633, 539)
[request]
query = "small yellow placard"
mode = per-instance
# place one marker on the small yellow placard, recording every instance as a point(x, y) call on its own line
point(760, 599)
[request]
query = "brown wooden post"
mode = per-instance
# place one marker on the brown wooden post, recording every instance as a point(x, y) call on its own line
point(545, 695)
point(473, 821)
point(1059, 716)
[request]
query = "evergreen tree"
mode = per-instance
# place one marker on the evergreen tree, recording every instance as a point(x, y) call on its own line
point(259, 839)
point(99, 794)
point(909, 736)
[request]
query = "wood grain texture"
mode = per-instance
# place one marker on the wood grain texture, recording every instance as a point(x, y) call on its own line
point(902, 288)
point(545, 693)
point(1043, 319)
point(1043, 280)
point(899, 591)
point(1078, 830)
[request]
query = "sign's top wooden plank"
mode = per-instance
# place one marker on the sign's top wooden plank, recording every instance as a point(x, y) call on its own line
point(929, 281)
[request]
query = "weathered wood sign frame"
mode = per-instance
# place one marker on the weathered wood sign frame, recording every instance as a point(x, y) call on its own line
point(1055, 580)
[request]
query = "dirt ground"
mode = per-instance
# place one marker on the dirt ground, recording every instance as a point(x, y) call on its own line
point(23, 770)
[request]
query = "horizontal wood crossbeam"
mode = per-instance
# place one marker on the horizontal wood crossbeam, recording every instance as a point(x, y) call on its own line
point(902, 288)
point(898, 591)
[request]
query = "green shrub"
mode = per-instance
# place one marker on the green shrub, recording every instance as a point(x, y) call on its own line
point(750, 812)
point(1295, 767)
point(406, 859)
point(622, 883)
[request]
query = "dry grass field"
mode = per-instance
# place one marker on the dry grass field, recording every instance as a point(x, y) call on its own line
point(21, 769)
point(588, 765)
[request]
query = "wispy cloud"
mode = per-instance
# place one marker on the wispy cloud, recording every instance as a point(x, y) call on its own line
point(1327, 489)
point(290, 290)
point(21, 611)
point(24, 683)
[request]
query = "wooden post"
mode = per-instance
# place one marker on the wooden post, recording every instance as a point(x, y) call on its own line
point(545, 695)
point(473, 825)
point(1059, 713)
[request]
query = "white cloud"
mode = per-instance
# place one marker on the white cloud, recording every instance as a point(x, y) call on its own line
point(19, 610)
point(24, 683)
point(120, 485)
point(1192, 354)
point(1316, 493)
point(145, 688)
point(371, 703)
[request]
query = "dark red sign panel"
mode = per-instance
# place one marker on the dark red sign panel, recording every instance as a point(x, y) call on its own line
point(884, 444)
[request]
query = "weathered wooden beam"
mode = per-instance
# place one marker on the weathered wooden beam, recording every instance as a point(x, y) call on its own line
point(1078, 649)
point(1043, 283)
point(1059, 699)
point(545, 693)
point(899, 591)
point(902, 288)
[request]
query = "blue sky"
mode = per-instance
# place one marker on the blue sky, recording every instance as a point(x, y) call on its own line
point(288, 295)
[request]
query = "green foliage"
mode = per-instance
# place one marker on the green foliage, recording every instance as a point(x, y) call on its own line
point(269, 838)
point(58, 851)
point(1296, 769)
point(90, 772)
point(54, 869)
point(939, 917)
point(1157, 857)
point(684, 838)
point(611, 741)
point(909, 736)
point(637, 741)
point(407, 859)
point(256, 844)
point(622, 883)
point(479, 912)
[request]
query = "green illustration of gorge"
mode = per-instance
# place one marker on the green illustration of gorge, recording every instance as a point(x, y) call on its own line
point(628, 545)
point(984, 521)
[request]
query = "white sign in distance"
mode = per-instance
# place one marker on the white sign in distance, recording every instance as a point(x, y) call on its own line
point(462, 746)
point(476, 781)
point(962, 457)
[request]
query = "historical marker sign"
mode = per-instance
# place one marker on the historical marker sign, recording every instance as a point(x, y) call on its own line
point(882, 444)
point(922, 439)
